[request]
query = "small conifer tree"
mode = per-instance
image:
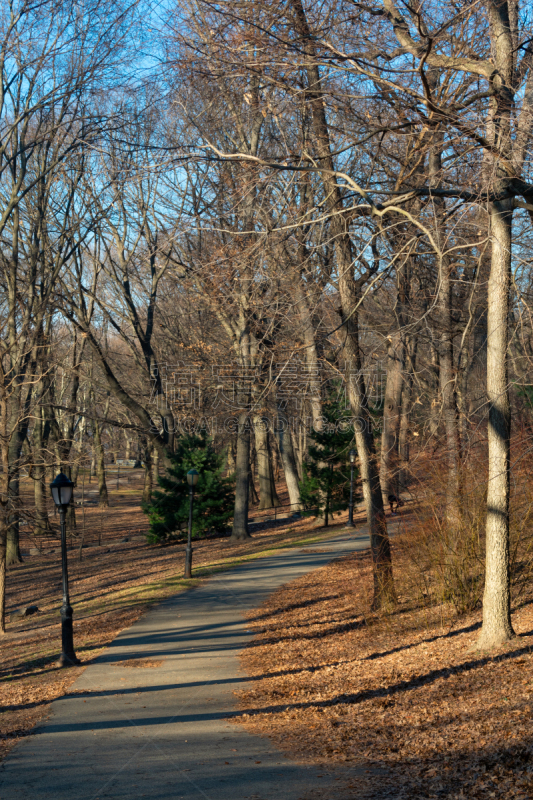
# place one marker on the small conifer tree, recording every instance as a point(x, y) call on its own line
point(325, 487)
point(168, 510)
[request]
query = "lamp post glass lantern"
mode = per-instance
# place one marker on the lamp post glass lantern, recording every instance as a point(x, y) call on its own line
point(192, 477)
point(192, 480)
point(62, 489)
point(350, 507)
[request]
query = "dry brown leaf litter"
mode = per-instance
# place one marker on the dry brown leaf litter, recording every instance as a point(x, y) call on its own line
point(335, 684)
point(109, 589)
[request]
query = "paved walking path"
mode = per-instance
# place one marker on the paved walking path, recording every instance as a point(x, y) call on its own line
point(162, 733)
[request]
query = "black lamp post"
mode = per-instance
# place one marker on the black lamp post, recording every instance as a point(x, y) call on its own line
point(192, 480)
point(61, 489)
point(350, 507)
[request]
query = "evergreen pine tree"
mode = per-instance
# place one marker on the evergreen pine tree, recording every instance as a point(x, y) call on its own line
point(325, 487)
point(168, 510)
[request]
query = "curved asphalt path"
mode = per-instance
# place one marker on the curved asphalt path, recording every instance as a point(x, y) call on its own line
point(163, 733)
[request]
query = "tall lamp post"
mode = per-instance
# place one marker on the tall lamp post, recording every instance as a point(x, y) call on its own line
point(350, 507)
point(61, 489)
point(192, 480)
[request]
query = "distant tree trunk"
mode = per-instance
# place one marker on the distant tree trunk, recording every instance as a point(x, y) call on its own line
point(299, 444)
point(4, 491)
point(288, 459)
point(308, 334)
point(147, 489)
point(497, 627)
point(449, 407)
point(242, 469)
point(103, 496)
point(390, 435)
point(70, 516)
point(75, 469)
point(13, 555)
point(155, 457)
point(447, 374)
point(230, 464)
point(307, 331)
point(268, 497)
point(476, 391)
point(3, 534)
point(42, 524)
point(99, 459)
point(253, 497)
point(274, 454)
point(434, 413)
point(405, 422)
point(328, 498)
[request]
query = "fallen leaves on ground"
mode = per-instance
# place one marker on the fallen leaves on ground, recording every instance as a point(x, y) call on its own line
point(407, 693)
point(109, 589)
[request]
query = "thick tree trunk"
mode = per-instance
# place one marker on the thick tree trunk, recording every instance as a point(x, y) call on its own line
point(497, 626)
point(384, 594)
point(242, 467)
point(288, 459)
point(389, 467)
point(268, 497)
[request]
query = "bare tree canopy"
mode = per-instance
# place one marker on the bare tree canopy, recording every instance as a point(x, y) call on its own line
point(243, 218)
